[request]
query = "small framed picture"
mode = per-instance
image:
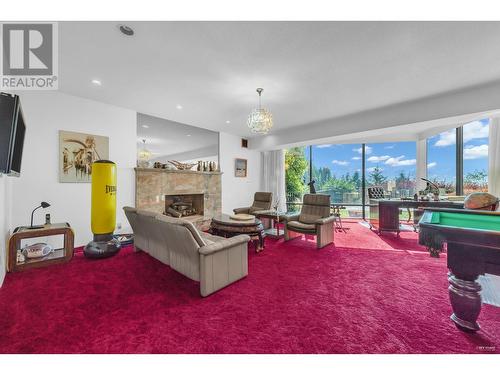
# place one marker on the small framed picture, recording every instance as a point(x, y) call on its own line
point(240, 167)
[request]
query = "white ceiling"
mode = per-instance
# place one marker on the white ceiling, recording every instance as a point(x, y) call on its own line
point(311, 71)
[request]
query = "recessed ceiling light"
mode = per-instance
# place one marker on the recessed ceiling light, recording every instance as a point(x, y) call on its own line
point(145, 126)
point(96, 82)
point(178, 106)
point(188, 135)
point(228, 122)
point(126, 30)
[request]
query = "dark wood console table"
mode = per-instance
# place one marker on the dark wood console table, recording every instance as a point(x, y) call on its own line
point(384, 213)
point(59, 255)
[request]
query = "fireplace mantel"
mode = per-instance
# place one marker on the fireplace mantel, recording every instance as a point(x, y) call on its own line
point(160, 170)
point(152, 185)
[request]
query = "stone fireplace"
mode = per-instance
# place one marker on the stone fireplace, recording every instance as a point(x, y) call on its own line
point(155, 190)
point(184, 205)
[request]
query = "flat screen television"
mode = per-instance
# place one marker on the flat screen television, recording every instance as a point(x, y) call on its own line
point(12, 131)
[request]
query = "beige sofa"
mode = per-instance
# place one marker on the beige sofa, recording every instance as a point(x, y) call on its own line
point(214, 262)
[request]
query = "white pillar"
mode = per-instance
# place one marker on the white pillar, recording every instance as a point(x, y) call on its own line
point(494, 157)
point(421, 163)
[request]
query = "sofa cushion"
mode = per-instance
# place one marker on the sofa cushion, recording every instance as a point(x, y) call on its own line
point(210, 239)
point(187, 224)
point(183, 242)
point(301, 226)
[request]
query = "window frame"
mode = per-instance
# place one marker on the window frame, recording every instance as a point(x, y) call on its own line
point(459, 178)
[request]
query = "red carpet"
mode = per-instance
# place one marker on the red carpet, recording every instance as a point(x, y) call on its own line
point(367, 294)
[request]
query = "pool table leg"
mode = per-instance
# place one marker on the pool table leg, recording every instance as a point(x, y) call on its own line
point(465, 298)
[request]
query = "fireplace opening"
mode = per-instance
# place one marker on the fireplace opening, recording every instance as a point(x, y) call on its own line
point(184, 205)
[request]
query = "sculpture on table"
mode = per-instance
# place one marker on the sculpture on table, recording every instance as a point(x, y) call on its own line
point(312, 188)
point(182, 166)
point(431, 188)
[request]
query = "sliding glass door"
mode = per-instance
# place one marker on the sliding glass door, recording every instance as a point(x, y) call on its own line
point(457, 161)
point(337, 171)
point(297, 175)
point(392, 166)
point(442, 161)
point(475, 156)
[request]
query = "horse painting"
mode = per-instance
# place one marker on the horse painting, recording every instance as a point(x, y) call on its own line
point(78, 152)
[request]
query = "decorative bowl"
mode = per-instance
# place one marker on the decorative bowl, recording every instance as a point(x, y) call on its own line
point(242, 217)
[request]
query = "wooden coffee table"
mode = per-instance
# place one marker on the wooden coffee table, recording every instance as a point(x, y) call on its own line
point(223, 225)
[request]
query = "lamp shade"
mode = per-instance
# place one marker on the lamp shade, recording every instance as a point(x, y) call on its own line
point(260, 121)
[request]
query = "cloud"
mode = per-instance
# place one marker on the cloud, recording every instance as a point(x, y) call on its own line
point(447, 138)
point(475, 152)
point(389, 147)
point(400, 161)
point(475, 130)
point(356, 158)
point(372, 169)
point(340, 162)
point(472, 130)
point(431, 164)
point(323, 146)
point(368, 150)
point(378, 159)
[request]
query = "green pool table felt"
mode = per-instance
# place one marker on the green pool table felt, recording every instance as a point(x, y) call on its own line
point(465, 220)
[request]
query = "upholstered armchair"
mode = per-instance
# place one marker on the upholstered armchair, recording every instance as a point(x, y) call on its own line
point(262, 201)
point(314, 218)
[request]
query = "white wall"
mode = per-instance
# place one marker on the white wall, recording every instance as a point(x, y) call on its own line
point(238, 191)
point(5, 213)
point(45, 114)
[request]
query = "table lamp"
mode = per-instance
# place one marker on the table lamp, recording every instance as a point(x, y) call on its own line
point(42, 205)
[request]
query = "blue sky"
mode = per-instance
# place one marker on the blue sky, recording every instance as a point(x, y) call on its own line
point(441, 151)
point(393, 158)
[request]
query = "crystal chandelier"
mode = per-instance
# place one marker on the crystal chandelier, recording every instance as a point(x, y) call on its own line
point(260, 120)
point(143, 156)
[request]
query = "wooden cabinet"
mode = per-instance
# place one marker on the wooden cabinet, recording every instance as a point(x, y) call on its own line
point(60, 254)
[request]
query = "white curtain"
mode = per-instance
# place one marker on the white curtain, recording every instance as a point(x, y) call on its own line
point(273, 176)
point(494, 157)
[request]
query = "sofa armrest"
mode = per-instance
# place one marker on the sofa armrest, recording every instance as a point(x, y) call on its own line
point(224, 244)
point(325, 220)
point(291, 217)
point(222, 263)
point(241, 210)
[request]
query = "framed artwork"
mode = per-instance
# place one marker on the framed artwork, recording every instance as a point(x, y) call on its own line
point(240, 168)
point(77, 152)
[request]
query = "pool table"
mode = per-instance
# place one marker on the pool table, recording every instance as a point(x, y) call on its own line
point(473, 249)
